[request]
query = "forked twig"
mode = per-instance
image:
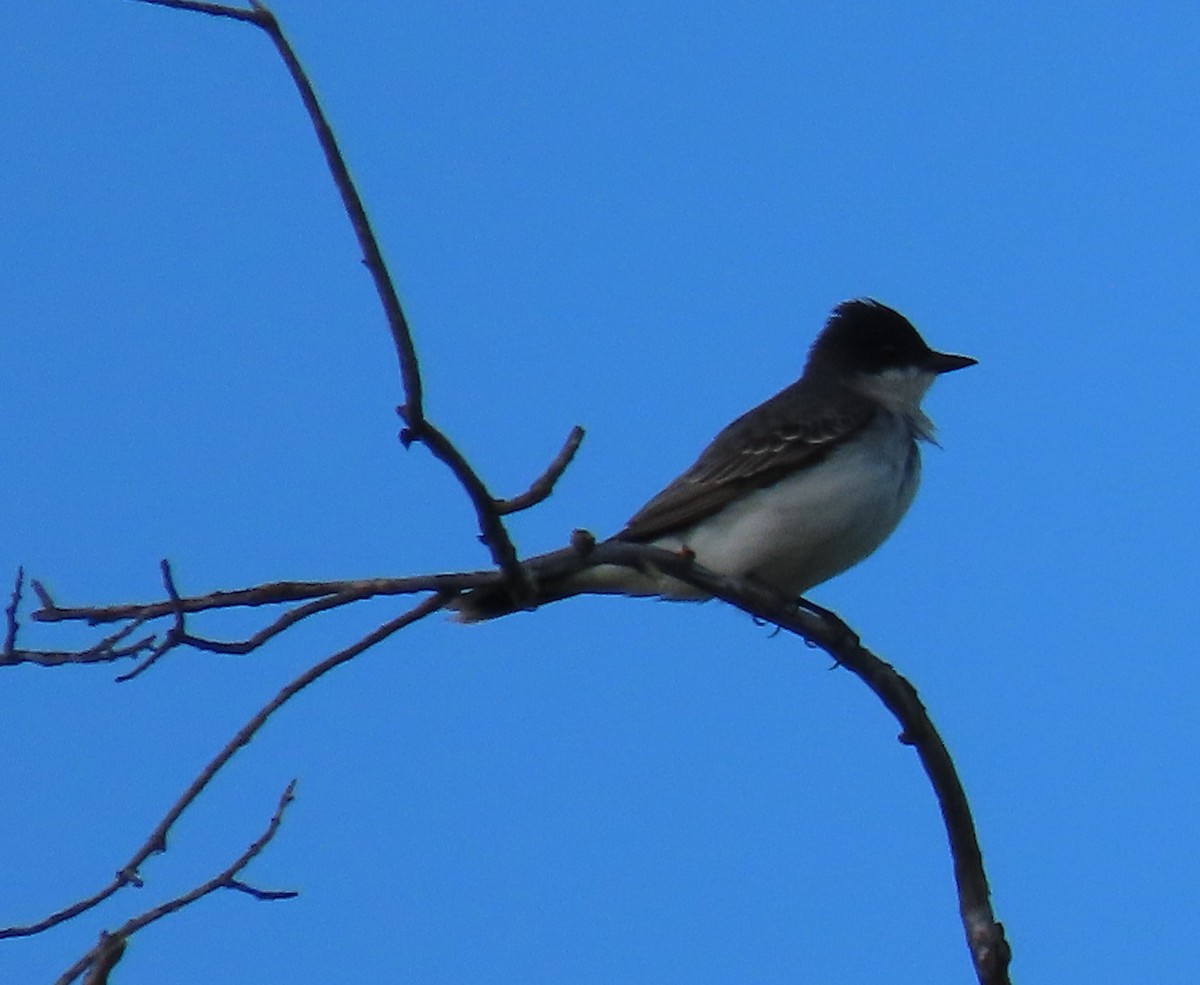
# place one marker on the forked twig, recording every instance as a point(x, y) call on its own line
point(101, 959)
point(324, 596)
point(417, 426)
point(157, 840)
point(175, 635)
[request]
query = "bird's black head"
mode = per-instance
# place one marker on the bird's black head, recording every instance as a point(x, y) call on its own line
point(864, 336)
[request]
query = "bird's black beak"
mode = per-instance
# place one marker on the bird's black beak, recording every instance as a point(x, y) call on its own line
point(944, 362)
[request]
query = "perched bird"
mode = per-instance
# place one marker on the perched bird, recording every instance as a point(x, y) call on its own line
point(793, 492)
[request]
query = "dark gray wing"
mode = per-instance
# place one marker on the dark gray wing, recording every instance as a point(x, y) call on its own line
point(794, 429)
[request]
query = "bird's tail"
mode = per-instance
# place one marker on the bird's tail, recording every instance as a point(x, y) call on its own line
point(554, 576)
point(546, 575)
point(482, 604)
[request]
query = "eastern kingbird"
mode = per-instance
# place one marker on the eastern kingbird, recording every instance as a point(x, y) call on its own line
point(797, 490)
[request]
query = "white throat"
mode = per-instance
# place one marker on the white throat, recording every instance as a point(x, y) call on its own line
point(900, 391)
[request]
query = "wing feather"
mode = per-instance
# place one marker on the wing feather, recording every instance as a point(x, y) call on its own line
point(793, 430)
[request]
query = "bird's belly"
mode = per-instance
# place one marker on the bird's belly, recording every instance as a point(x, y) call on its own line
point(813, 525)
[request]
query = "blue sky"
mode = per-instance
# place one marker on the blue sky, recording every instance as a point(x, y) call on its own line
point(631, 217)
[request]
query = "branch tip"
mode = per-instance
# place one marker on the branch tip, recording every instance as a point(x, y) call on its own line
point(543, 485)
point(261, 894)
point(43, 596)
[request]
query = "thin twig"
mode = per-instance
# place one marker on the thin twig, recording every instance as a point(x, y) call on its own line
point(543, 485)
point(328, 595)
point(92, 655)
point(270, 593)
point(10, 615)
point(174, 635)
point(43, 595)
point(419, 428)
point(215, 9)
point(157, 841)
point(288, 619)
point(101, 959)
point(402, 338)
point(493, 533)
point(104, 651)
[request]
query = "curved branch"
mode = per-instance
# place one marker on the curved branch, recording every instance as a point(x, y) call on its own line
point(543, 485)
point(418, 427)
point(990, 951)
point(985, 936)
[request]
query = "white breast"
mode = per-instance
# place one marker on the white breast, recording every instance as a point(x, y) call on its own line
point(815, 524)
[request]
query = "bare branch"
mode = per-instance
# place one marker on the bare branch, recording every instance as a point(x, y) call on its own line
point(174, 635)
point(543, 485)
point(60, 658)
point(270, 593)
point(325, 596)
point(288, 619)
point(106, 955)
point(418, 426)
point(268, 895)
point(10, 614)
point(216, 9)
point(986, 941)
point(106, 650)
point(985, 936)
point(157, 841)
point(43, 596)
point(99, 961)
point(492, 530)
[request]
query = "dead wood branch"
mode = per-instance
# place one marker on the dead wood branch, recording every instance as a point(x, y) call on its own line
point(102, 958)
point(156, 842)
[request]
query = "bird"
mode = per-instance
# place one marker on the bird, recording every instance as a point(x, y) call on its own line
point(793, 492)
